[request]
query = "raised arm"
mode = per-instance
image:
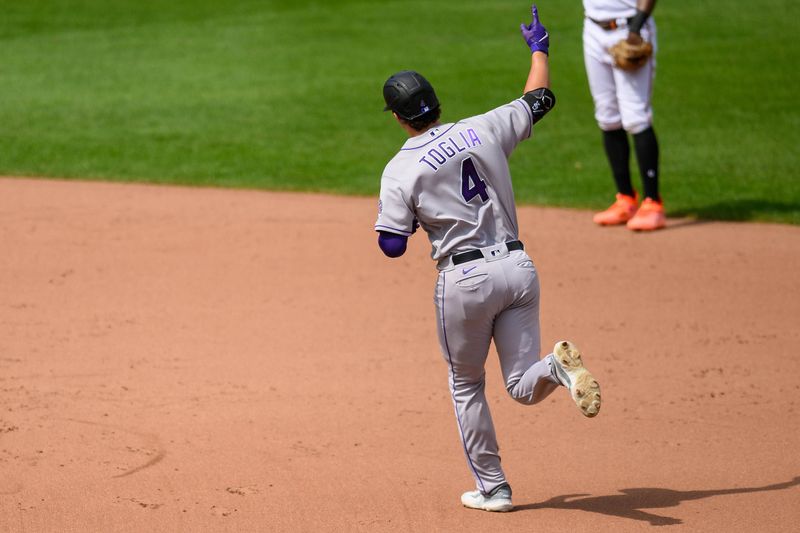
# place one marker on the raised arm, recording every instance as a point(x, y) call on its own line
point(538, 40)
point(539, 76)
point(537, 93)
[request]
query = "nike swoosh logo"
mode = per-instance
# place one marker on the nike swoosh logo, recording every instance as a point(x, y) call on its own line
point(468, 270)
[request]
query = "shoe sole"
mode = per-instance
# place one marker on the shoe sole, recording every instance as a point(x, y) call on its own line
point(503, 508)
point(652, 224)
point(620, 223)
point(615, 222)
point(650, 228)
point(583, 388)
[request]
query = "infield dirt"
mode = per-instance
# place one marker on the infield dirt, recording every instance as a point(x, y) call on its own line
point(177, 359)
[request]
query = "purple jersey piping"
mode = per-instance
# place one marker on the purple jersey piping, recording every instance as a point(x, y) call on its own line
point(427, 143)
point(453, 392)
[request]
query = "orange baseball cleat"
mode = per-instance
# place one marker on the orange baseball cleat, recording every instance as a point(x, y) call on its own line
point(650, 216)
point(620, 211)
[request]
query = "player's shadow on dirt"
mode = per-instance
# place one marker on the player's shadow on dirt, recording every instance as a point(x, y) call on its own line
point(630, 503)
point(741, 210)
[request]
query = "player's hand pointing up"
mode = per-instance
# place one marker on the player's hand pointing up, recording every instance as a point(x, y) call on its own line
point(535, 35)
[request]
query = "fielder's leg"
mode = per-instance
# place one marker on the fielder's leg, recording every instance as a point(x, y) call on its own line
point(618, 153)
point(646, 146)
point(603, 86)
point(634, 93)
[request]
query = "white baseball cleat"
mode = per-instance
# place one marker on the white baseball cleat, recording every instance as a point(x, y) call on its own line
point(499, 500)
point(570, 371)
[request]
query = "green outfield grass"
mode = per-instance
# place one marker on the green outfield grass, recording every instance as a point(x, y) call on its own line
point(287, 95)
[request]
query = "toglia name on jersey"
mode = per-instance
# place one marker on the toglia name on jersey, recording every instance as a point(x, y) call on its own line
point(449, 147)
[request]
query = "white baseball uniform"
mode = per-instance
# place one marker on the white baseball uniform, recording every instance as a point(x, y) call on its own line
point(621, 99)
point(455, 180)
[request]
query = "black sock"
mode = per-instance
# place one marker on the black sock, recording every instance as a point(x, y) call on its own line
point(646, 147)
point(619, 152)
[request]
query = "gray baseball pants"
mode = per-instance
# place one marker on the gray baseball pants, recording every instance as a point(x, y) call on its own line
point(485, 299)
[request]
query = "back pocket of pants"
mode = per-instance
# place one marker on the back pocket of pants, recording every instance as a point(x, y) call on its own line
point(471, 283)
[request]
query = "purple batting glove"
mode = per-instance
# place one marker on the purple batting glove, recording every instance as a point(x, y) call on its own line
point(535, 34)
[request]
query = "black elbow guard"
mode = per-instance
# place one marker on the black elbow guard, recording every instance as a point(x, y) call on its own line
point(540, 101)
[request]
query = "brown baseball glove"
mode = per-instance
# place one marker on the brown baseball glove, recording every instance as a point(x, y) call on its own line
point(628, 56)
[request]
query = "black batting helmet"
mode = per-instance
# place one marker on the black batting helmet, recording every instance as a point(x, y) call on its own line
point(409, 94)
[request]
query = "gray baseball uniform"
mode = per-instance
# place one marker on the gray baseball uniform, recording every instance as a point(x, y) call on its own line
point(455, 181)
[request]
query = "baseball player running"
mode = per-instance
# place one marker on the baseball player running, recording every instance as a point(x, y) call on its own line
point(619, 40)
point(453, 180)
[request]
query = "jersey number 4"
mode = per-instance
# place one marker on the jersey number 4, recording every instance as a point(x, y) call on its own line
point(471, 183)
